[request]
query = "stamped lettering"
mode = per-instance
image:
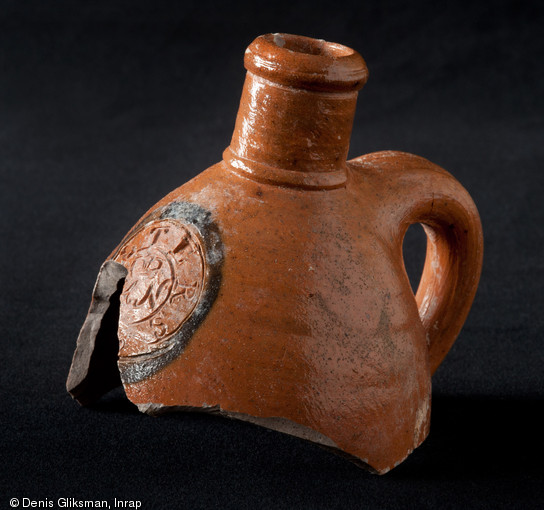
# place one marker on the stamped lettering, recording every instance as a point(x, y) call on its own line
point(166, 271)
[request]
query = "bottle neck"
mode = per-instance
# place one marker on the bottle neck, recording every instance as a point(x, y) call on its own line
point(292, 136)
point(296, 113)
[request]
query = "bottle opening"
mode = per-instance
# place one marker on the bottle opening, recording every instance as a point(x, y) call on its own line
point(306, 63)
point(309, 46)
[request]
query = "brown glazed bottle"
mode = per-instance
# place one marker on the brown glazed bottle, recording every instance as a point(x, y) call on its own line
point(271, 287)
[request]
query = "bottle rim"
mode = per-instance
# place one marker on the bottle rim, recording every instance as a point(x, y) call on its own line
point(307, 63)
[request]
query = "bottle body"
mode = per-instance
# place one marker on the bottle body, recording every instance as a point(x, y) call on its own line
point(315, 321)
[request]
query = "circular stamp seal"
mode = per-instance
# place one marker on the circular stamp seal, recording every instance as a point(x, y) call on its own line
point(166, 274)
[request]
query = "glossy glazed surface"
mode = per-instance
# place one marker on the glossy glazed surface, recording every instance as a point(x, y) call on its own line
point(313, 320)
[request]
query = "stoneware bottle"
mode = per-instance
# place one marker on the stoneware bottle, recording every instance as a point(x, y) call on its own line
point(271, 287)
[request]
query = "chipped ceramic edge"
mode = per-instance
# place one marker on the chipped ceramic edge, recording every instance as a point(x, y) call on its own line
point(107, 284)
point(136, 368)
point(276, 423)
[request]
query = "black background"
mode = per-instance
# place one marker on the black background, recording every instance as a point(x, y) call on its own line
point(107, 106)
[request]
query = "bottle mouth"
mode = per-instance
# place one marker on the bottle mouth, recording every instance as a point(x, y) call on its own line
point(303, 62)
